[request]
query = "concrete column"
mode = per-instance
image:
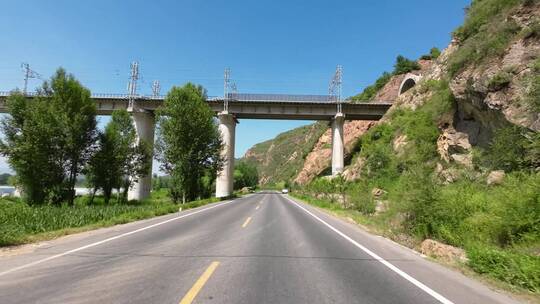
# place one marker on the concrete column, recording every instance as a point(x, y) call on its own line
point(337, 143)
point(227, 128)
point(144, 126)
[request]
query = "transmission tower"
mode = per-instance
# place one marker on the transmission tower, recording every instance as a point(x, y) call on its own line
point(156, 87)
point(226, 85)
point(28, 73)
point(334, 89)
point(132, 85)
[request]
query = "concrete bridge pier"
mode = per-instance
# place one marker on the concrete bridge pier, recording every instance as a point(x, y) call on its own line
point(337, 144)
point(144, 126)
point(227, 128)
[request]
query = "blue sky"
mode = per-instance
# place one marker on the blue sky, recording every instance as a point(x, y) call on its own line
point(271, 46)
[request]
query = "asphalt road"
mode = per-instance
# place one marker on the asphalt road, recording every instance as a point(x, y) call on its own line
point(263, 248)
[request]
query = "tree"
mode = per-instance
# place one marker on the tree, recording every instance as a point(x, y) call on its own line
point(75, 111)
point(189, 144)
point(404, 65)
point(33, 146)
point(102, 171)
point(119, 160)
point(4, 178)
point(245, 175)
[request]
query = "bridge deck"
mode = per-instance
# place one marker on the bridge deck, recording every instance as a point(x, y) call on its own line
point(250, 106)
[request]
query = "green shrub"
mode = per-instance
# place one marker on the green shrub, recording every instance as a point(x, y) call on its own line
point(404, 65)
point(532, 97)
point(507, 150)
point(369, 92)
point(499, 81)
point(480, 13)
point(488, 42)
point(434, 53)
point(417, 192)
point(516, 269)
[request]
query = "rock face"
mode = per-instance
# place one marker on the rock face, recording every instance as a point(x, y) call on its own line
point(390, 91)
point(319, 159)
point(481, 105)
point(447, 253)
point(495, 177)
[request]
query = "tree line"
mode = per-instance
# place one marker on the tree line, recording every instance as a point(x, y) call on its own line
point(52, 139)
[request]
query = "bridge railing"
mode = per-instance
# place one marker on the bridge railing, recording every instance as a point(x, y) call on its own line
point(281, 97)
point(98, 95)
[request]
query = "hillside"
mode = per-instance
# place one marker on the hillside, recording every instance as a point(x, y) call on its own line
point(453, 169)
point(280, 159)
point(456, 161)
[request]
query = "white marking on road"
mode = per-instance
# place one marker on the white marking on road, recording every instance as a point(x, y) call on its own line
point(400, 272)
point(108, 239)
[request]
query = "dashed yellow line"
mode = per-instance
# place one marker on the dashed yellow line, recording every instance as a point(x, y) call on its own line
point(246, 222)
point(192, 293)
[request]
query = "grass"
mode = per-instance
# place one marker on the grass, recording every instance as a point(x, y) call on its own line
point(497, 225)
point(486, 33)
point(21, 223)
point(532, 97)
point(499, 81)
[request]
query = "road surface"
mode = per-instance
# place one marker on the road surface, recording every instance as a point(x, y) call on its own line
point(262, 248)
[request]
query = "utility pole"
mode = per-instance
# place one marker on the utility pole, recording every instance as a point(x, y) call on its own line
point(28, 73)
point(132, 85)
point(156, 87)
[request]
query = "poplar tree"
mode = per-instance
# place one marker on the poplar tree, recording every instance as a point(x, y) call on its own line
point(189, 143)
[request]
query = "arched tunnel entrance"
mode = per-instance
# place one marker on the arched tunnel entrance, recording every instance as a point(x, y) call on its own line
point(407, 85)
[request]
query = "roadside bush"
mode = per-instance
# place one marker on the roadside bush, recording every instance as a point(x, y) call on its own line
point(516, 269)
point(506, 151)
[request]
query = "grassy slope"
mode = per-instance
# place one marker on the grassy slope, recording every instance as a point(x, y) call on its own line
point(21, 223)
point(498, 226)
point(273, 158)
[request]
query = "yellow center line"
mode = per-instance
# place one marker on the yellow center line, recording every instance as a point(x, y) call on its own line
point(192, 293)
point(246, 222)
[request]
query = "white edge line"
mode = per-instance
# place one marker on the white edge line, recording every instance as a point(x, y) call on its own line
point(108, 240)
point(400, 272)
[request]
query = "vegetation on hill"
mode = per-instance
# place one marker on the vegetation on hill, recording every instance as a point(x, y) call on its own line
point(497, 224)
point(402, 66)
point(280, 159)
